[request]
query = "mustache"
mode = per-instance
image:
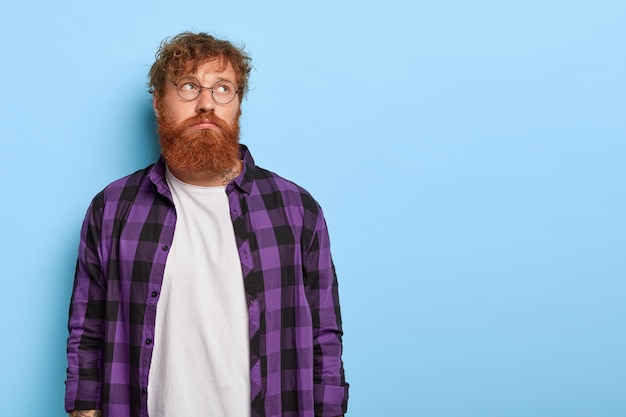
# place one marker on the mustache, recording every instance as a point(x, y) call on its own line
point(201, 118)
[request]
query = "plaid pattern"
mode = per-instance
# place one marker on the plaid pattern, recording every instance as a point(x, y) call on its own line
point(289, 280)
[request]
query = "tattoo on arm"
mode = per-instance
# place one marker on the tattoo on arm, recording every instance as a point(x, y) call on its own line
point(229, 175)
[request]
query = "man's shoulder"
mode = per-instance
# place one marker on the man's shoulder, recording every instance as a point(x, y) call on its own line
point(271, 180)
point(127, 187)
point(269, 184)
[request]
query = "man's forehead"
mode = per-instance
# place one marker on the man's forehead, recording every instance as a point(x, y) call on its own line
point(217, 64)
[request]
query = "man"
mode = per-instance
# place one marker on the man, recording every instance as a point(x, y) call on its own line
point(204, 284)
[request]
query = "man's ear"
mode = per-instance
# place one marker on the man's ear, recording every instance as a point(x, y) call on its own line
point(155, 100)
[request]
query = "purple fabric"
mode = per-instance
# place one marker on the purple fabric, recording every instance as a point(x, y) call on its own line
point(289, 279)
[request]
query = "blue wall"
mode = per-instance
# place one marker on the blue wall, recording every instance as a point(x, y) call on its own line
point(469, 157)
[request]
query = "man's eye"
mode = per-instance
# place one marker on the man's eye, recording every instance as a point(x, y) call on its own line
point(188, 87)
point(222, 88)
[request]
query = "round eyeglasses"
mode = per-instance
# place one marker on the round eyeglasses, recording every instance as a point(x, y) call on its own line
point(189, 88)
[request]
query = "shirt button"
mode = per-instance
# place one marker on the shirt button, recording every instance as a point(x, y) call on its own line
point(245, 254)
point(165, 247)
point(154, 294)
point(148, 341)
point(236, 212)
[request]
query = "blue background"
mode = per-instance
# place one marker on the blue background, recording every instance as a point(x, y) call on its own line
point(469, 157)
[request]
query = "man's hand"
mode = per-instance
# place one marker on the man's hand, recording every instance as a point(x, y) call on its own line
point(86, 413)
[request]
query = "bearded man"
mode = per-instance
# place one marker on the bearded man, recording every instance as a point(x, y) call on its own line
point(204, 284)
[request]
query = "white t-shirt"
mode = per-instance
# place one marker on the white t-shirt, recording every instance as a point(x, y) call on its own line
point(201, 364)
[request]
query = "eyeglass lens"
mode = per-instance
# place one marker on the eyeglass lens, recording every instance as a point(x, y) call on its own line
point(189, 88)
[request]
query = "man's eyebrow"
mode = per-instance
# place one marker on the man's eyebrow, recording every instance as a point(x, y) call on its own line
point(216, 80)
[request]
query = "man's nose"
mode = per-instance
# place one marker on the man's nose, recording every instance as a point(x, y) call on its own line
point(205, 102)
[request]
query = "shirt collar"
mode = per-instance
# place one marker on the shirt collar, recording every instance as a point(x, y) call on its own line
point(156, 174)
point(243, 182)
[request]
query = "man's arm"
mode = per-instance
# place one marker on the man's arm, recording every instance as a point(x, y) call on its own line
point(330, 387)
point(86, 319)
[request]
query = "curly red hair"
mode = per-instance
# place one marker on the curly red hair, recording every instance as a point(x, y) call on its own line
point(186, 51)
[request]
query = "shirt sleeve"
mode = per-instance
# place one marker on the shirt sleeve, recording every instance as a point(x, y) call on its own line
point(330, 387)
point(83, 386)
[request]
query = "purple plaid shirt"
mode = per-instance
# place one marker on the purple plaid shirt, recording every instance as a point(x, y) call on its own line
point(290, 288)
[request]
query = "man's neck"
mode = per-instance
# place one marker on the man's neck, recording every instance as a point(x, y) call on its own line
point(208, 179)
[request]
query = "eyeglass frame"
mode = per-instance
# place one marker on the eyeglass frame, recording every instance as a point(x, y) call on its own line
point(201, 87)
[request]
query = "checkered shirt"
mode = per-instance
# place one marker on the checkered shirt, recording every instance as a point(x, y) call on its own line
point(290, 287)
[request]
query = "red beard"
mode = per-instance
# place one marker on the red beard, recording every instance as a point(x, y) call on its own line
point(198, 151)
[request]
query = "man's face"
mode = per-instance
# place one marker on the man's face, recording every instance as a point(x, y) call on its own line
point(199, 135)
